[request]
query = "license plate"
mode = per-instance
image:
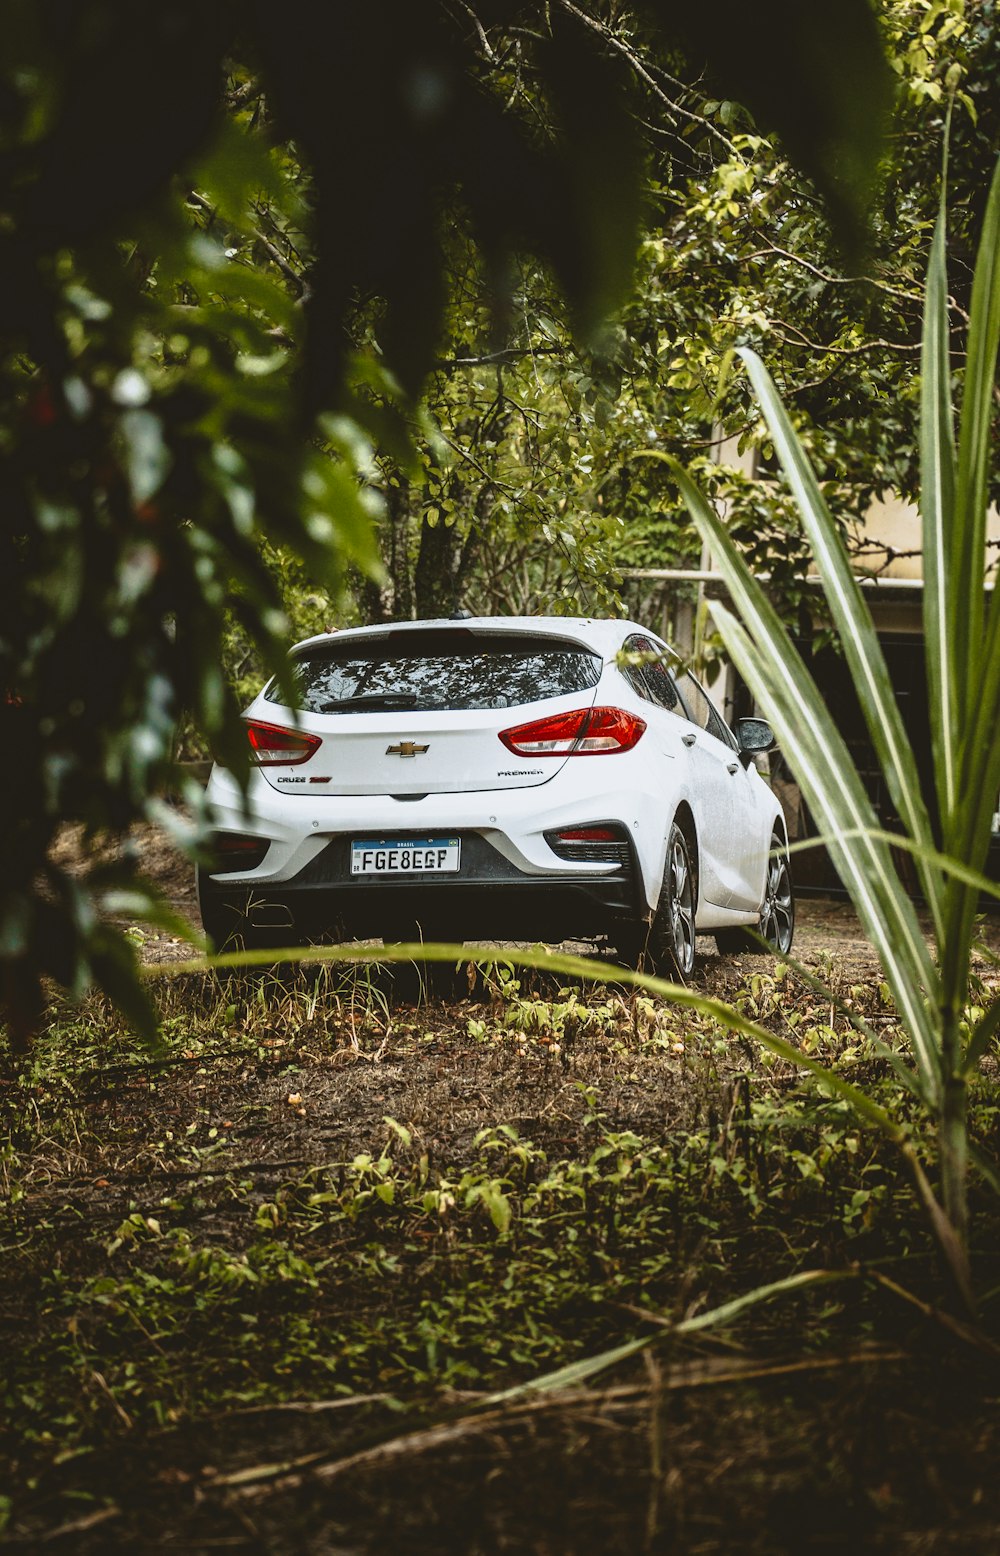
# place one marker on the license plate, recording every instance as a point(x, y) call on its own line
point(387, 856)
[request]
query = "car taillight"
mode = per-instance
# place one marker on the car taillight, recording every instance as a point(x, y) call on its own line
point(603, 842)
point(588, 834)
point(237, 851)
point(585, 732)
point(272, 744)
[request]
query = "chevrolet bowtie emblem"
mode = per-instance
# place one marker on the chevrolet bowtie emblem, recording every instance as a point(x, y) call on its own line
point(405, 748)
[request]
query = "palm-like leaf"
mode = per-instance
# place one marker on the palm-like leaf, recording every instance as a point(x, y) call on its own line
point(963, 674)
point(976, 653)
point(774, 670)
point(861, 646)
point(937, 481)
point(974, 449)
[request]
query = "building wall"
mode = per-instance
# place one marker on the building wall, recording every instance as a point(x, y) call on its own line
point(889, 540)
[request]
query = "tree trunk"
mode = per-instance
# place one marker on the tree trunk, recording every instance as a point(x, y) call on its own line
point(435, 577)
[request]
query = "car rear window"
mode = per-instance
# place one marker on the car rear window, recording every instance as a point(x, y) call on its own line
point(439, 671)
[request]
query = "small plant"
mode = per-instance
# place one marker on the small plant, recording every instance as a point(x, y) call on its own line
point(933, 994)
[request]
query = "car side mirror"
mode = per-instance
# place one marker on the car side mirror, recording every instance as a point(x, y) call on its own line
point(752, 737)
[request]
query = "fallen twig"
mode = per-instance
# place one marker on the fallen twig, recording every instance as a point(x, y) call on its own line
point(273, 1478)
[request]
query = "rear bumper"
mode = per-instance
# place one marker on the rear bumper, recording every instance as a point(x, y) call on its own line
point(514, 823)
point(489, 898)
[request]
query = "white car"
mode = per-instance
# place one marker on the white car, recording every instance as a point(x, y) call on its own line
point(522, 778)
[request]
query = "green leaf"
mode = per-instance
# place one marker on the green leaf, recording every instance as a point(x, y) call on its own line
point(977, 652)
point(115, 968)
point(862, 650)
point(975, 451)
point(937, 495)
point(774, 670)
point(822, 763)
point(498, 1206)
point(147, 457)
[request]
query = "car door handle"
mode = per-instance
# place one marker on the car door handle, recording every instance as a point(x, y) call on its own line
point(733, 767)
point(688, 740)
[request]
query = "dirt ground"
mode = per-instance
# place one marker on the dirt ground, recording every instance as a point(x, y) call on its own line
point(759, 1445)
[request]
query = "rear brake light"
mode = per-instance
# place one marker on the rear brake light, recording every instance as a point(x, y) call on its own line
point(272, 744)
point(585, 732)
point(603, 842)
point(237, 851)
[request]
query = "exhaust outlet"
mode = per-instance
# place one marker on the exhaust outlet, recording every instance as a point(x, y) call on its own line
point(270, 915)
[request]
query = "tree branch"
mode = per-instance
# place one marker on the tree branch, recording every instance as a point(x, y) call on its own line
point(628, 53)
point(780, 325)
point(480, 29)
point(493, 358)
point(300, 285)
point(915, 296)
point(831, 280)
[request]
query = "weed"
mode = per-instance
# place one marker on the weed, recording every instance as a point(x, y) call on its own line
point(180, 1240)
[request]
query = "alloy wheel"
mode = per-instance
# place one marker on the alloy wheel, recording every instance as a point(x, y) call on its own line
point(681, 904)
point(777, 919)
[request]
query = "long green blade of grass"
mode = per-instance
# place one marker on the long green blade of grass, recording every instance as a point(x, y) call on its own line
point(861, 646)
point(937, 497)
point(977, 652)
point(981, 1037)
point(974, 449)
point(779, 679)
point(864, 1106)
point(575, 1373)
point(979, 785)
point(948, 866)
point(555, 962)
point(842, 808)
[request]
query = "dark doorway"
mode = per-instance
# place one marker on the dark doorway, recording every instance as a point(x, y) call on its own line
point(904, 655)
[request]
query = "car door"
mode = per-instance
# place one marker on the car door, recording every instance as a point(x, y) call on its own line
point(733, 841)
point(690, 733)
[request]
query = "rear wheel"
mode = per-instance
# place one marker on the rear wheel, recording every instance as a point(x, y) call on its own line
point(777, 916)
point(777, 919)
point(668, 948)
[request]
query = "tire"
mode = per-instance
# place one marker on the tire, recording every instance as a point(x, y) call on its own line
point(670, 945)
point(777, 917)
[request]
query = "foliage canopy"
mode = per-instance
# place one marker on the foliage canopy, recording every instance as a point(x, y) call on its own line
point(165, 409)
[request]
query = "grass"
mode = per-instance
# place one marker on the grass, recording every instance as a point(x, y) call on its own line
point(321, 1192)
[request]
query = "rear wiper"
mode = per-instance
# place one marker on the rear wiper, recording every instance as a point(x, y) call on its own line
point(388, 700)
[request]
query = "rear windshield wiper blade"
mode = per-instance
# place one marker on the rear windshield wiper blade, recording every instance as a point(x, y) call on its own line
point(375, 700)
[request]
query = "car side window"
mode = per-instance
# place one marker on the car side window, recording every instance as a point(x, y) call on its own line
point(652, 680)
point(702, 712)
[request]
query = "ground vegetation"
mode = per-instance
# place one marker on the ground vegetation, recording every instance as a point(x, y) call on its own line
point(332, 1225)
point(279, 1285)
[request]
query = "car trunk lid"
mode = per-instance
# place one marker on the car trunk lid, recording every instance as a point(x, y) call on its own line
point(415, 712)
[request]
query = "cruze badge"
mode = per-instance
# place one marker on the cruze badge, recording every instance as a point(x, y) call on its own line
point(405, 748)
